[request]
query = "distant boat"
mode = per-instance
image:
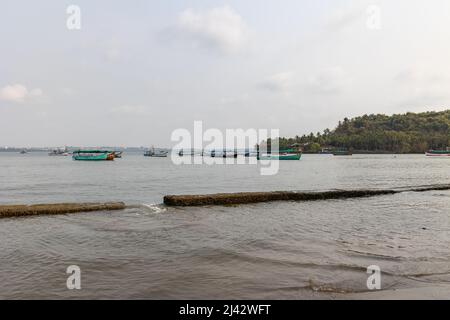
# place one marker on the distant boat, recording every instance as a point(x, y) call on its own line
point(280, 157)
point(289, 154)
point(438, 153)
point(156, 154)
point(59, 152)
point(93, 155)
point(23, 151)
point(223, 154)
point(117, 154)
point(342, 152)
point(189, 152)
point(325, 151)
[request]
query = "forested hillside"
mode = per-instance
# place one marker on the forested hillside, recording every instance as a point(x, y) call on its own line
point(400, 133)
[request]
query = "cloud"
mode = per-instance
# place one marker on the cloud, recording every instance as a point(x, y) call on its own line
point(329, 81)
point(219, 28)
point(279, 82)
point(130, 110)
point(112, 54)
point(113, 50)
point(344, 17)
point(414, 76)
point(419, 88)
point(18, 93)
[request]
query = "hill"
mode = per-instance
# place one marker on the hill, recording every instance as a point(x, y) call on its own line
point(398, 133)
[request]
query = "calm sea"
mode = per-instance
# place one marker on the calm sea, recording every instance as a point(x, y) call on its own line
point(283, 250)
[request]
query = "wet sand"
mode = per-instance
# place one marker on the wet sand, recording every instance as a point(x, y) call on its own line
point(435, 292)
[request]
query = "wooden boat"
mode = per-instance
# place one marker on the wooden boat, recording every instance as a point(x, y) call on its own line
point(156, 154)
point(59, 152)
point(289, 154)
point(438, 153)
point(93, 155)
point(188, 152)
point(325, 151)
point(224, 154)
point(342, 152)
point(117, 154)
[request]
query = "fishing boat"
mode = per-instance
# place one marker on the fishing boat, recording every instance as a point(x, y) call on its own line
point(23, 152)
point(189, 152)
point(117, 154)
point(325, 151)
point(156, 154)
point(93, 155)
point(438, 153)
point(59, 152)
point(224, 154)
point(289, 154)
point(342, 152)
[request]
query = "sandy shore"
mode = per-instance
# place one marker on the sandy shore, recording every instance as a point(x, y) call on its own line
point(435, 292)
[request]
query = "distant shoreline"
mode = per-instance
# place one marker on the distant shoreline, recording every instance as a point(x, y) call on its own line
point(139, 150)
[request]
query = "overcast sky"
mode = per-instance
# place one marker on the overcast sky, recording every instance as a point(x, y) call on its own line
point(137, 70)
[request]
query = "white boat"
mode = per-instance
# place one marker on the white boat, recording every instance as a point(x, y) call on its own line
point(223, 154)
point(156, 153)
point(59, 152)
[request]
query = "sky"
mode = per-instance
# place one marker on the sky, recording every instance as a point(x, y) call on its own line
point(135, 71)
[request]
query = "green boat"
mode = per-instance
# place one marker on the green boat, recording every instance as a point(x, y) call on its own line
point(342, 152)
point(289, 154)
point(93, 155)
point(439, 153)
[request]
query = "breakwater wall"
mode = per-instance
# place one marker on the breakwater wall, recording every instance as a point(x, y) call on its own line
point(255, 197)
point(57, 208)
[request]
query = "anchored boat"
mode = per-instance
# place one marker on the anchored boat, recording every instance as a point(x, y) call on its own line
point(188, 152)
point(342, 152)
point(438, 153)
point(289, 154)
point(223, 154)
point(59, 152)
point(156, 154)
point(117, 154)
point(93, 155)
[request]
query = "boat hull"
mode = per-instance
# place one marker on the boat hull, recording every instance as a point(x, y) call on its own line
point(156, 155)
point(434, 154)
point(291, 157)
point(93, 156)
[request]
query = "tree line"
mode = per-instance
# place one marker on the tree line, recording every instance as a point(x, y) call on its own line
point(398, 133)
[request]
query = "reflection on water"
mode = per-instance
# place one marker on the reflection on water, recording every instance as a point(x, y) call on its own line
point(269, 250)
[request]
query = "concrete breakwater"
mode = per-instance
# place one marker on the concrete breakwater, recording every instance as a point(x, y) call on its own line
point(255, 197)
point(211, 199)
point(57, 208)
